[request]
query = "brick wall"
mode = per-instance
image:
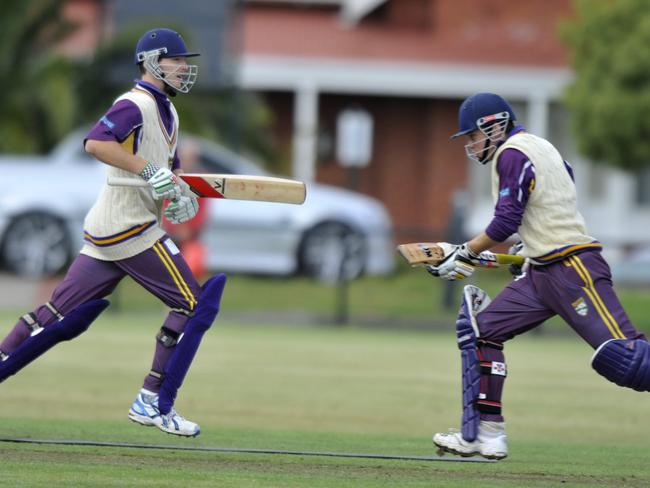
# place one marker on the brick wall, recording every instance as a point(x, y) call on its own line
point(456, 31)
point(415, 168)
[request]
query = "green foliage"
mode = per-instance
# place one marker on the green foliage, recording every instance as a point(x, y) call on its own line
point(610, 95)
point(45, 95)
point(37, 96)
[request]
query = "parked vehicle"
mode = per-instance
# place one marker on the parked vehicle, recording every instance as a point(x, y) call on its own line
point(335, 233)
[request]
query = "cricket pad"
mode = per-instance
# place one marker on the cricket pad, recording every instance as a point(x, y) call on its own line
point(179, 362)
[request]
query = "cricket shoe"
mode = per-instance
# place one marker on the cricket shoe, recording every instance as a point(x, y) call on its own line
point(144, 411)
point(489, 443)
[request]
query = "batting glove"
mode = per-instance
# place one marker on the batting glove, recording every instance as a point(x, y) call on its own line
point(515, 269)
point(164, 184)
point(457, 265)
point(182, 209)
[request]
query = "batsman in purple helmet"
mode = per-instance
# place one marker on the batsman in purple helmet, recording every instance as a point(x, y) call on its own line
point(136, 138)
point(564, 274)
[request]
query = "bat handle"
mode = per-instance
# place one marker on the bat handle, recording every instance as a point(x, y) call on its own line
point(121, 181)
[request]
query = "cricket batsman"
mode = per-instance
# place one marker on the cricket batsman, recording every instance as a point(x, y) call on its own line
point(136, 138)
point(564, 274)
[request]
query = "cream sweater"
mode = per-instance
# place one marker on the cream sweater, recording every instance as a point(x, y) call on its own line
point(125, 221)
point(551, 222)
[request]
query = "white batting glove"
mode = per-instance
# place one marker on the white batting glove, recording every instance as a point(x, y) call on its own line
point(457, 265)
point(164, 184)
point(182, 209)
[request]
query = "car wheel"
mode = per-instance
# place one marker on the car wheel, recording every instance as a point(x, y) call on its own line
point(333, 251)
point(36, 245)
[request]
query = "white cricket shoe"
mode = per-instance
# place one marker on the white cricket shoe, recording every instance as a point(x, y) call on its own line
point(490, 441)
point(144, 411)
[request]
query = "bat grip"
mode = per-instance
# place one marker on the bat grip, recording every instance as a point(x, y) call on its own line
point(121, 181)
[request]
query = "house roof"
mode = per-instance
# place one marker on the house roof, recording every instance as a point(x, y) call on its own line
point(438, 80)
point(351, 11)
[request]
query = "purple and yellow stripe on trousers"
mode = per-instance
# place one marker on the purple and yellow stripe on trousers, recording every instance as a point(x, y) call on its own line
point(176, 275)
point(595, 298)
point(118, 238)
point(566, 251)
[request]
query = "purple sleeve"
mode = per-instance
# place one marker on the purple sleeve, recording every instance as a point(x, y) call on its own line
point(116, 124)
point(516, 182)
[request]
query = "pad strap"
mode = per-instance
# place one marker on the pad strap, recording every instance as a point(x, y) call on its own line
point(156, 374)
point(167, 337)
point(183, 311)
point(493, 368)
point(50, 306)
point(492, 345)
point(32, 323)
point(488, 406)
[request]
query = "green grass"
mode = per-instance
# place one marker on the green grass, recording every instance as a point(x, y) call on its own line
point(408, 297)
point(340, 389)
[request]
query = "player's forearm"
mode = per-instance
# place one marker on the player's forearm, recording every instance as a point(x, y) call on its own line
point(113, 154)
point(481, 242)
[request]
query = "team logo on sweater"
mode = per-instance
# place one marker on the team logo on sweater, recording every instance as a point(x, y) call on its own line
point(580, 306)
point(107, 122)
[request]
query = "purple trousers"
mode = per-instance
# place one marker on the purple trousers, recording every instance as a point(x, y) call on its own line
point(578, 289)
point(161, 270)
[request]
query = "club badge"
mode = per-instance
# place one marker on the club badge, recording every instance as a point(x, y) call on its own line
point(581, 307)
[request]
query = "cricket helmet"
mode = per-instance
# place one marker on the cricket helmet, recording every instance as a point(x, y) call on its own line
point(488, 113)
point(165, 43)
point(481, 109)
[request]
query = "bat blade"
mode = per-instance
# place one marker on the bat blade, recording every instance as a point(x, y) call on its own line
point(432, 253)
point(421, 253)
point(244, 187)
point(234, 187)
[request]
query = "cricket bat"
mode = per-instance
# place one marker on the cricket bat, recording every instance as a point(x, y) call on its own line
point(432, 253)
point(233, 187)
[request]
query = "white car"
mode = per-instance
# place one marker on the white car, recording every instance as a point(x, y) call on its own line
point(335, 234)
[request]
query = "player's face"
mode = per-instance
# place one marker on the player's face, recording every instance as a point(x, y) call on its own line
point(175, 70)
point(475, 136)
point(478, 146)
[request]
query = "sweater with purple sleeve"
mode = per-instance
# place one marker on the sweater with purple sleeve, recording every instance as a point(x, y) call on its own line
point(123, 122)
point(516, 181)
point(534, 193)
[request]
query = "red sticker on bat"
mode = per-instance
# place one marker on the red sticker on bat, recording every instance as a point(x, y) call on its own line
point(203, 189)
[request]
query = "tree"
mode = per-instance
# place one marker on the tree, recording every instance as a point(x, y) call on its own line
point(38, 102)
point(610, 95)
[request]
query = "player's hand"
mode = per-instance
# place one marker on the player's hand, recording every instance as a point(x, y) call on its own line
point(516, 269)
point(458, 263)
point(182, 209)
point(164, 184)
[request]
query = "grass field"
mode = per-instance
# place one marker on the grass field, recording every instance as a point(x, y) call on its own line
point(408, 297)
point(309, 388)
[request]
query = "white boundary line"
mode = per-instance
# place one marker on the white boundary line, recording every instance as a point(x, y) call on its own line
point(72, 442)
